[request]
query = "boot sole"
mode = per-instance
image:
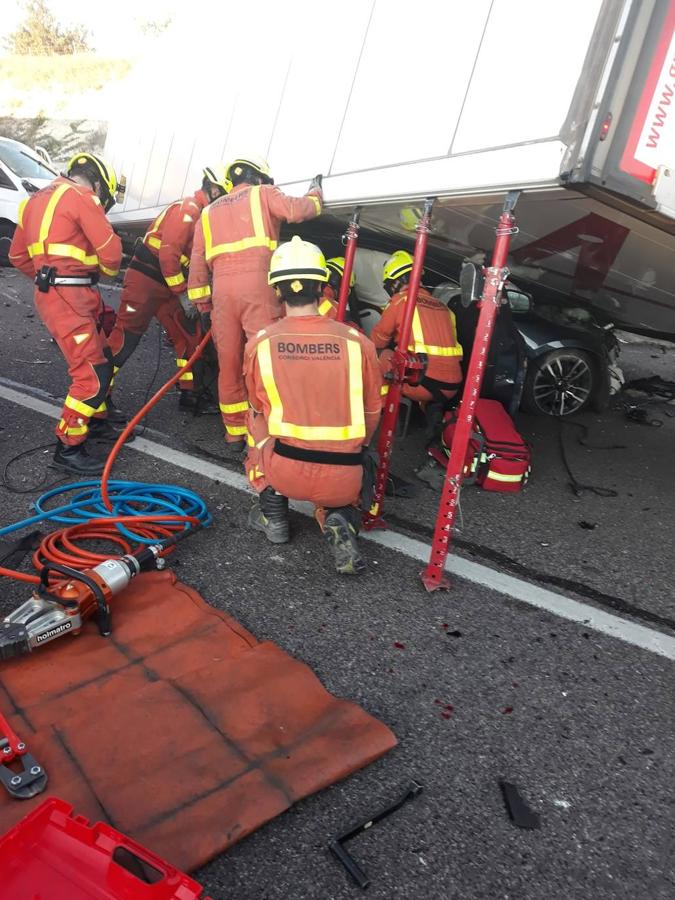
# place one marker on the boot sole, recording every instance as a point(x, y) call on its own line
point(348, 559)
point(64, 467)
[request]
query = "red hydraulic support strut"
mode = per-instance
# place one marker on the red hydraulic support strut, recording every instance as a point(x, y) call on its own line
point(433, 576)
point(351, 237)
point(407, 368)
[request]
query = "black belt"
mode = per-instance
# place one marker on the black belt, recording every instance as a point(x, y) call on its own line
point(436, 388)
point(48, 277)
point(324, 457)
point(145, 262)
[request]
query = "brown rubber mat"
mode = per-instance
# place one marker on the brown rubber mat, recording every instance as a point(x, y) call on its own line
point(181, 729)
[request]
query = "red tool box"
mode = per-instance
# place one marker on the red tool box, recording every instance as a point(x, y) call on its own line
point(54, 855)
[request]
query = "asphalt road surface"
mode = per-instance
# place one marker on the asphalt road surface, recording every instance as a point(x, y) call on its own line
point(500, 678)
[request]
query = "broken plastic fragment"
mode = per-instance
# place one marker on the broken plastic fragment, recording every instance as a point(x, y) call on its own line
point(520, 813)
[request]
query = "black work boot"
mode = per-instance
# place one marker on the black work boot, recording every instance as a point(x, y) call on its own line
point(340, 530)
point(198, 404)
point(271, 516)
point(115, 415)
point(105, 431)
point(234, 449)
point(76, 460)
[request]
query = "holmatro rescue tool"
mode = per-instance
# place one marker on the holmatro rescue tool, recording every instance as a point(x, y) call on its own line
point(62, 607)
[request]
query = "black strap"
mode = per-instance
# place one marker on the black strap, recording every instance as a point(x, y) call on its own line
point(145, 262)
point(324, 457)
point(436, 388)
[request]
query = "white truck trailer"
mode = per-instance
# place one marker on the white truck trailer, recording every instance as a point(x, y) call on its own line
point(462, 100)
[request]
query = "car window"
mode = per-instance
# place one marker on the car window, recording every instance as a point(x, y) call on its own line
point(519, 302)
point(24, 164)
point(6, 181)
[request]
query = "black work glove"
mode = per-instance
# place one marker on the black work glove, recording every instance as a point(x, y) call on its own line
point(316, 183)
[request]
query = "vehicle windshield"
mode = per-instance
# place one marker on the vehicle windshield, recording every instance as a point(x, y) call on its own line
point(23, 164)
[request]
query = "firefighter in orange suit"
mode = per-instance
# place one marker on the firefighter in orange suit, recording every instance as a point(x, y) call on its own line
point(234, 240)
point(314, 391)
point(156, 278)
point(328, 304)
point(64, 242)
point(434, 333)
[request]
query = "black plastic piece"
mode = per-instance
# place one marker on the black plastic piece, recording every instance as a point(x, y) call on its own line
point(103, 619)
point(336, 845)
point(520, 813)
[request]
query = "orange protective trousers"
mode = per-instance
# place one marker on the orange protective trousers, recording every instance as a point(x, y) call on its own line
point(245, 303)
point(71, 314)
point(142, 299)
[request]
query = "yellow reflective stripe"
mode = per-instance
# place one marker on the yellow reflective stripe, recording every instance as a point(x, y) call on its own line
point(256, 212)
point(317, 203)
point(199, 292)
point(430, 349)
point(72, 429)
point(48, 216)
point(186, 376)
point(173, 280)
point(106, 271)
point(259, 239)
point(499, 476)
point(231, 408)
point(249, 440)
point(358, 417)
point(278, 428)
point(81, 407)
point(384, 390)
point(22, 206)
point(325, 307)
point(236, 430)
point(237, 246)
point(71, 251)
point(150, 239)
point(184, 261)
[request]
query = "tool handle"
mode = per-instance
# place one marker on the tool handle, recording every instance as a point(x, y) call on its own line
point(349, 863)
point(9, 738)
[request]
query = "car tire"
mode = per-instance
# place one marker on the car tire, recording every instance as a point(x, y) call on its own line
point(6, 235)
point(560, 383)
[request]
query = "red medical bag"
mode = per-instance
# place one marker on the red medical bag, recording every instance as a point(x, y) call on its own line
point(497, 457)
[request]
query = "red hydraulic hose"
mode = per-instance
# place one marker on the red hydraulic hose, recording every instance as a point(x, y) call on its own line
point(351, 239)
point(433, 576)
point(59, 546)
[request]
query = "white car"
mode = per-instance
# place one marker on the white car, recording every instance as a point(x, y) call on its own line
point(22, 172)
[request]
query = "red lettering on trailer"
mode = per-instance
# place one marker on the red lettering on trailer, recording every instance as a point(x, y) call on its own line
point(596, 256)
point(660, 116)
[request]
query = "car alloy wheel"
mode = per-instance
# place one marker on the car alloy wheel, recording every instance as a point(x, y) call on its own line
point(562, 383)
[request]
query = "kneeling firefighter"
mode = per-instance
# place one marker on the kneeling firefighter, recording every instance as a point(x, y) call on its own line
point(314, 392)
point(434, 334)
point(64, 242)
point(155, 280)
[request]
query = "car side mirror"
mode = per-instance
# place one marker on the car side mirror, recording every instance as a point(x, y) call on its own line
point(471, 281)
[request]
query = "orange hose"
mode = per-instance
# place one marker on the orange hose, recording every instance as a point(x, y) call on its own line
point(59, 546)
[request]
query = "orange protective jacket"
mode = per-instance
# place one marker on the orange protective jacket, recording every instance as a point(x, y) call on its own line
point(170, 238)
point(316, 382)
point(434, 332)
point(65, 226)
point(239, 232)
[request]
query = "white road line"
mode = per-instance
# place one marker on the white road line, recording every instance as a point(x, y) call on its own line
point(533, 595)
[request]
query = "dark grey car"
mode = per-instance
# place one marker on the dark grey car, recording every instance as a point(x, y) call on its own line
point(546, 360)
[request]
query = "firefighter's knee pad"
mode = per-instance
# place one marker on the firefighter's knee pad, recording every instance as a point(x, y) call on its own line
point(129, 344)
point(104, 374)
